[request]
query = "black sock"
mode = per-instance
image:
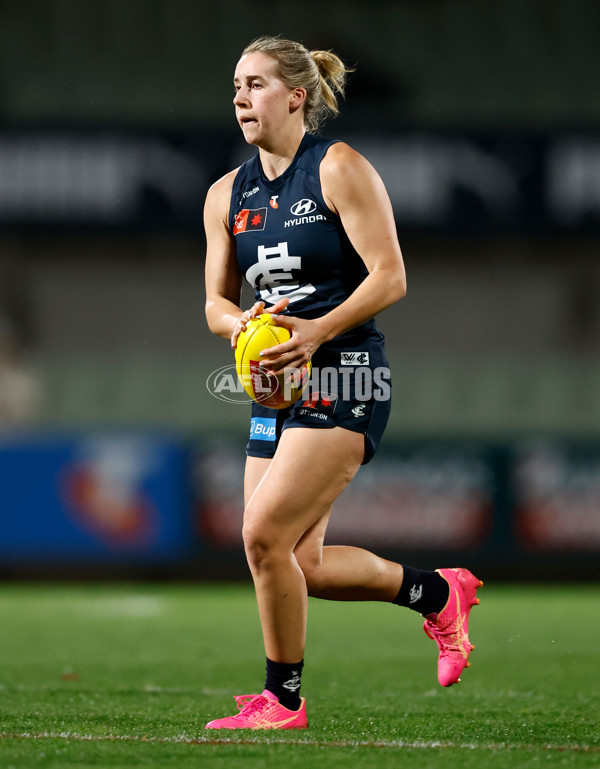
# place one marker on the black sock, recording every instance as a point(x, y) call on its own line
point(283, 680)
point(424, 591)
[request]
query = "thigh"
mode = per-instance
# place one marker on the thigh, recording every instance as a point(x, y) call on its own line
point(256, 467)
point(309, 471)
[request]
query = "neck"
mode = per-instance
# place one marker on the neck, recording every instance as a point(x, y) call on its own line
point(277, 156)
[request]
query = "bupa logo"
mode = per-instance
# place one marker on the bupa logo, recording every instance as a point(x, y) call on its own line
point(262, 429)
point(303, 207)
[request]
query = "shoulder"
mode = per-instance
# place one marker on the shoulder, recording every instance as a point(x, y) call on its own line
point(218, 196)
point(223, 186)
point(345, 173)
point(342, 159)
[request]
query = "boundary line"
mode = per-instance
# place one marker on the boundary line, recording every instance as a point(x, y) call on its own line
point(394, 744)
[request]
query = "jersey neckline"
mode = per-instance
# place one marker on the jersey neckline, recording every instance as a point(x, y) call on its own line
point(272, 184)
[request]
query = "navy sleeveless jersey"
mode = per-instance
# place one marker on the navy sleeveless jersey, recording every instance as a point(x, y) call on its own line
point(289, 243)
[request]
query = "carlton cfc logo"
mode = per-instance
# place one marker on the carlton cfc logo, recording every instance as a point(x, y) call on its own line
point(303, 207)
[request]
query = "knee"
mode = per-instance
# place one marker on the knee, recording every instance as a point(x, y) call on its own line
point(261, 546)
point(255, 544)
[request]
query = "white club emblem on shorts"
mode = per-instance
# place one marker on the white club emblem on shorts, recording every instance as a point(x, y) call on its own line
point(354, 359)
point(359, 411)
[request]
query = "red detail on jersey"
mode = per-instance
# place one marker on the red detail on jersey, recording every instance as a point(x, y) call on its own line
point(273, 202)
point(249, 219)
point(241, 220)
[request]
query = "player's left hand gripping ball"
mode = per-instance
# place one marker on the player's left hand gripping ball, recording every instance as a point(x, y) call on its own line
point(276, 392)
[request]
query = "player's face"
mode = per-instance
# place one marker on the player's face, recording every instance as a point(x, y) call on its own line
point(262, 101)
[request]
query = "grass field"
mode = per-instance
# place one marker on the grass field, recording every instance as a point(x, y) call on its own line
point(126, 676)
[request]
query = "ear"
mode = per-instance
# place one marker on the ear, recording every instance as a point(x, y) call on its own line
point(297, 98)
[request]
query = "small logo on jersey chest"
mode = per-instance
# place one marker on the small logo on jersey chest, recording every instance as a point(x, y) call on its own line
point(273, 202)
point(250, 219)
point(303, 207)
point(247, 193)
point(304, 211)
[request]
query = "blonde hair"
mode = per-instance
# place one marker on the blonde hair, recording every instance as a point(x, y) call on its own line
point(321, 73)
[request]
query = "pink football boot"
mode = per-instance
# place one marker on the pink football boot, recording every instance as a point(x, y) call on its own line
point(450, 628)
point(262, 711)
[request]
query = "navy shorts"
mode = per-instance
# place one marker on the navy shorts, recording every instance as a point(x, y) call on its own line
point(350, 387)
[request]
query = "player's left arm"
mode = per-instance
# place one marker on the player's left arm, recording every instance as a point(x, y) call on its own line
point(353, 190)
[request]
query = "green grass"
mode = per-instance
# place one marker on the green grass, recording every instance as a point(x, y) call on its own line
point(105, 676)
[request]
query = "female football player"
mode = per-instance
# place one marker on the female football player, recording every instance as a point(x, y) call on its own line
point(309, 224)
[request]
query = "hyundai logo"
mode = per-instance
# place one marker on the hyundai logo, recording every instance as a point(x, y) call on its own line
point(303, 207)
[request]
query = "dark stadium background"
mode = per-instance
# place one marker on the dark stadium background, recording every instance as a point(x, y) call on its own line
point(484, 121)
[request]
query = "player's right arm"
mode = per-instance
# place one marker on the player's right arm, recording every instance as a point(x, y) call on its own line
point(223, 279)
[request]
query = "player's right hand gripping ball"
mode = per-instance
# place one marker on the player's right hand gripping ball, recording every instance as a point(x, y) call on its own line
point(276, 392)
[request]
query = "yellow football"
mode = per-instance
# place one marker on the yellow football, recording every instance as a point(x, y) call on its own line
point(276, 392)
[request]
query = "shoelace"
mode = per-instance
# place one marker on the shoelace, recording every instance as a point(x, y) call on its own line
point(440, 635)
point(250, 703)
